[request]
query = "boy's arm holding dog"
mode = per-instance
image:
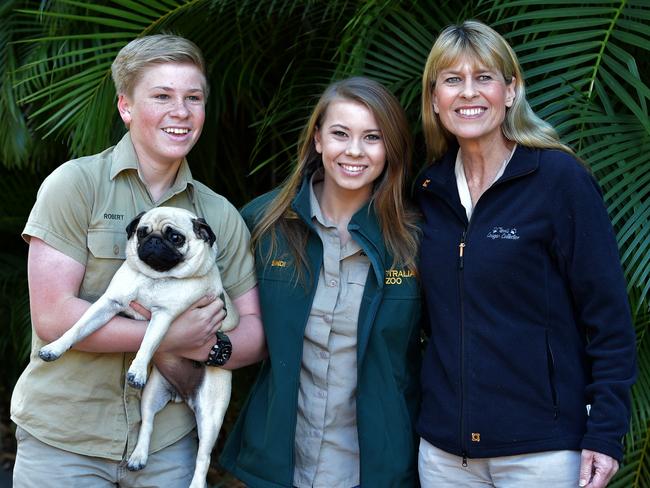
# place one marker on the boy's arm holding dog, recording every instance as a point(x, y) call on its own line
point(248, 340)
point(54, 281)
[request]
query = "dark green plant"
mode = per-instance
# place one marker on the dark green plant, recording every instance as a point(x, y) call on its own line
point(587, 66)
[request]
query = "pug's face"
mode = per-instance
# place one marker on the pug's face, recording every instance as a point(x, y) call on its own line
point(168, 241)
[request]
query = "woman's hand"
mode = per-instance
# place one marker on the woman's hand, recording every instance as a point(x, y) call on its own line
point(596, 469)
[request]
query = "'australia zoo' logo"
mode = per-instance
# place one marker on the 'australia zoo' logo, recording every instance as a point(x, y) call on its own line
point(503, 233)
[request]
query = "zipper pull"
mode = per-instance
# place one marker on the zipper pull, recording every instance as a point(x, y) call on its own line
point(461, 250)
point(464, 460)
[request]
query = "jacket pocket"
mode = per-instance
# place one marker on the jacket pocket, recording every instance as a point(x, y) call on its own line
point(510, 384)
point(552, 376)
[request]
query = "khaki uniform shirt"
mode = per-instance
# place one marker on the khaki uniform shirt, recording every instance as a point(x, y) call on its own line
point(326, 442)
point(81, 403)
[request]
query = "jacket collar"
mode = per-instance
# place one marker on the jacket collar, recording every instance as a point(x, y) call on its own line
point(364, 225)
point(441, 179)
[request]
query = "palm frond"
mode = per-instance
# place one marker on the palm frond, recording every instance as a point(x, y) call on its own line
point(635, 470)
point(15, 136)
point(67, 86)
point(394, 43)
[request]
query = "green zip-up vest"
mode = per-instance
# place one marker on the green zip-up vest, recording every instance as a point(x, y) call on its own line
point(260, 450)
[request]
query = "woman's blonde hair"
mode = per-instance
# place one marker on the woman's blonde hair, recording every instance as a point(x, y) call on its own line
point(485, 46)
point(397, 220)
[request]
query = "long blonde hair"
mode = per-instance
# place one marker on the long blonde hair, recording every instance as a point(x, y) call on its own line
point(397, 220)
point(479, 42)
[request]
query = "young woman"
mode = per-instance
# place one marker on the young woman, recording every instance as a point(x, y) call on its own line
point(335, 250)
point(531, 356)
point(77, 418)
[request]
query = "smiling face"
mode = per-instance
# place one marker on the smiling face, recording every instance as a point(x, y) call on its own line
point(352, 148)
point(165, 112)
point(471, 100)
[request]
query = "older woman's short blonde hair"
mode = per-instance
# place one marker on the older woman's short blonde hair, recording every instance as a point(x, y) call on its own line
point(140, 53)
point(483, 45)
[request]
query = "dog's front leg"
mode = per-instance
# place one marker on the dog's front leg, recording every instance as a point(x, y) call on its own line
point(94, 318)
point(153, 336)
point(155, 396)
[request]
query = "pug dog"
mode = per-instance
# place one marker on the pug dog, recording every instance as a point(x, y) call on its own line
point(170, 264)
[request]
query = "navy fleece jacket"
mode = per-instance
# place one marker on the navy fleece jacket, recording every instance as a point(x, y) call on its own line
point(530, 323)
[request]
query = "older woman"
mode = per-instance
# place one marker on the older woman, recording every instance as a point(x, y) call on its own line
point(334, 405)
point(77, 419)
point(532, 353)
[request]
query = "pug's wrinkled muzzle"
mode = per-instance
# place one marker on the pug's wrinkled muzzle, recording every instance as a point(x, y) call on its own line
point(158, 254)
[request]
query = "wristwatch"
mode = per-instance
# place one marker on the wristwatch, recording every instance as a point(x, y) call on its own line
point(220, 352)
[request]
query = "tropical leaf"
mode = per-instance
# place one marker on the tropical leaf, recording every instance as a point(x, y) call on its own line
point(17, 192)
point(15, 138)
point(635, 471)
point(66, 82)
point(395, 42)
point(585, 62)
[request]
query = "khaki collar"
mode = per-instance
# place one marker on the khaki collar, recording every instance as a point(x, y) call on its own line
point(125, 158)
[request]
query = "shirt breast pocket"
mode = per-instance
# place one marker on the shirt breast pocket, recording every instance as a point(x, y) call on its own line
point(357, 273)
point(107, 252)
point(107, 243)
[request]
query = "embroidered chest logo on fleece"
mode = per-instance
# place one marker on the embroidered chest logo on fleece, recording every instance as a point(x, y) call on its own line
point(499, 232)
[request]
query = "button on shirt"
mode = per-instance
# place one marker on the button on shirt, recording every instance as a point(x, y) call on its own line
point(326, 442)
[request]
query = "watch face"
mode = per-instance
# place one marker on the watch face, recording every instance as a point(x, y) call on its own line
point(223, 355)
point(220, 353)
point(224, 349)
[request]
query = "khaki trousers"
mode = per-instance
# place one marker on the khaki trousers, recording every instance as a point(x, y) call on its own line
point(43, 466)
point(439, 469)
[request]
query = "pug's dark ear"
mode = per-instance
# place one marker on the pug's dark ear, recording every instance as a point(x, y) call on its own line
point(203, 230)
point(130, 229)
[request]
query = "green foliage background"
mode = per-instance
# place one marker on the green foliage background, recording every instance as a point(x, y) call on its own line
point(587, 66)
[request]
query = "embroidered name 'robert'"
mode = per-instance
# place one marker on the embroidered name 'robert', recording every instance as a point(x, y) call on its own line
point(112, 216)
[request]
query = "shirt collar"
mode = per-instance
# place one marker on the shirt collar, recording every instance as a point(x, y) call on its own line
point(364, 225)
point(318, 218)
point(463, 187)
point(125, 158)
point(314, 204)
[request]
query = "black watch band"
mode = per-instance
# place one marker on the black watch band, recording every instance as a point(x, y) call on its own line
point(220, 352)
